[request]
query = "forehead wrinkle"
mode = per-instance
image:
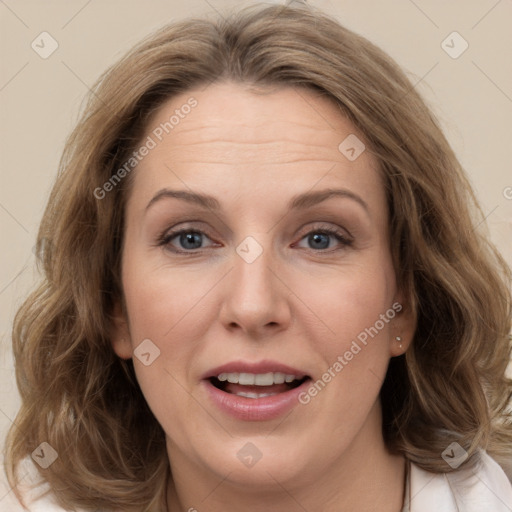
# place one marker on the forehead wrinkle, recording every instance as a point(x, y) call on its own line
point(269, 153)
point(253, 138)
point(250, 127)
point(192, 125)
point(252, 163)
point(226, 144)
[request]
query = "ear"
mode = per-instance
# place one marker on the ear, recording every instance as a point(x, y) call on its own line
point(403, 326)
point(120, 332)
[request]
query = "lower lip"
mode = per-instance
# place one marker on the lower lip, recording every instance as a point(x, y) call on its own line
point(255, 409)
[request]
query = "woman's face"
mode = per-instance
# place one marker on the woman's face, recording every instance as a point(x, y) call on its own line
point(272, 279)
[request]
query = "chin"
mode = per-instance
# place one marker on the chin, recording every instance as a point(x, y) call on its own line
point(258, 461)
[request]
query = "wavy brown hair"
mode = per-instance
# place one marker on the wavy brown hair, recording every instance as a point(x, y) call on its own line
point(83, 400)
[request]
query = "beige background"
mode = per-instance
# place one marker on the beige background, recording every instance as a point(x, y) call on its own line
point(40, 99)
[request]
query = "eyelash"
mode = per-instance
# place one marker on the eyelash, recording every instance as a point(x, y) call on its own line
point(165, 238)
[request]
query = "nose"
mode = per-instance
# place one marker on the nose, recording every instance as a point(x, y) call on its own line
point(256, 298)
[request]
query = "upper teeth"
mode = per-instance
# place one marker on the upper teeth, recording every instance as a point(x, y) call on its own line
point(257, 379)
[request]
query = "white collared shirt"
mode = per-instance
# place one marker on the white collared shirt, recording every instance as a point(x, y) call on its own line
point(483, 489)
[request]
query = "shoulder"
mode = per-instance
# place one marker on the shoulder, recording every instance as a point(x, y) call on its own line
point(32, 500)
point(484, 488)
point(32, 496)
point(44, 504)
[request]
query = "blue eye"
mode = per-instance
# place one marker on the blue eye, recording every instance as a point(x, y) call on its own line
point(190, 240)
point(320, 239)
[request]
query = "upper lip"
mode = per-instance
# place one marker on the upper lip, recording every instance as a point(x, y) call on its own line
point(254, 367)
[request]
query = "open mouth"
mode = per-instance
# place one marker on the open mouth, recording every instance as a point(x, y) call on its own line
point(261, 385)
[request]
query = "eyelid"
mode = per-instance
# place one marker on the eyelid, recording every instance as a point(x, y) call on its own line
point(167, 235)
point(343, 236)
point(329, 227)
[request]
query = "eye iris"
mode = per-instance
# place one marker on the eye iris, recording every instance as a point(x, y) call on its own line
point(190, 237)
point(319, 240)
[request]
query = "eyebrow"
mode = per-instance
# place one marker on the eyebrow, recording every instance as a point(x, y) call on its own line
point(299, 202)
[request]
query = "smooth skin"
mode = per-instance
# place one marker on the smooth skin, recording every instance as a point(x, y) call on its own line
point(301, 302)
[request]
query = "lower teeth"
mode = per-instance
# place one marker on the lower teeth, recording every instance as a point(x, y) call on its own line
point(254, 395)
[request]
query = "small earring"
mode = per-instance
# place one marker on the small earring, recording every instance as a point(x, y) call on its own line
point(399, 339)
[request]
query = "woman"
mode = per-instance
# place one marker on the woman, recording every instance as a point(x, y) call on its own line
point(264, 287)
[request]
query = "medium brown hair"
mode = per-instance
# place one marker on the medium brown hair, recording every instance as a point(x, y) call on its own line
point(83, 400)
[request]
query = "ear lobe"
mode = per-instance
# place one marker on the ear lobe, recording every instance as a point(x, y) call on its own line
point(404, 326)
point(120, 333)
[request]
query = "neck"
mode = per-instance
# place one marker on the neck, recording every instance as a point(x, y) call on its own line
point(365, 478)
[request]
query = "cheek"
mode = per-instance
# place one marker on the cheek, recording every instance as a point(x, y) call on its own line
point(351, 301)
point(355, 317)
point(164, 306)
point(161, 301)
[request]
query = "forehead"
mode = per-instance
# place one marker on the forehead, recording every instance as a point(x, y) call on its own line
point(234, 137)
point(268, 121)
